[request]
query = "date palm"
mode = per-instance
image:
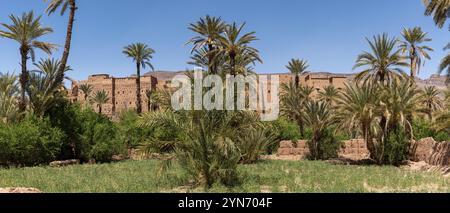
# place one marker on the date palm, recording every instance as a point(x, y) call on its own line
point(329, 95)
point(9, 92)
point(293, 100)
point(318, 117)
point(209, 30)
point(429, 98)
point(64, 4)
point(100, 98)
point(297, 67)
point(358, 110)
point(87, 90)
point(26, 30)
point(383, 64)
point(412, 44)
point(233, 44)
point(45, 85)
point(439, 9)
point(141, 55)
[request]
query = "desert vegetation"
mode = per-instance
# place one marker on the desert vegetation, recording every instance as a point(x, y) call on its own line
point(219, 150)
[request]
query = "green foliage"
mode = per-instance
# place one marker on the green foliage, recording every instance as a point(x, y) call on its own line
point(424, 129)
point(285, 129)
point(396, 147)
point(128, 130)
point(30, 142)
point(98, 136)
point(254, 143)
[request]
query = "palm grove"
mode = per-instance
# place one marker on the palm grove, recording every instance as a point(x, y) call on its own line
point(383, 105)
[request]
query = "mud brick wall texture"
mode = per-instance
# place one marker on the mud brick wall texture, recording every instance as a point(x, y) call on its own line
point(427, 150)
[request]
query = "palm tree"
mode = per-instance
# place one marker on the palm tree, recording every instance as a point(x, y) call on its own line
point(412, 43)
point(429, 98)
point(293, 100)
point(357, 109)
point(297, 67)
point(26, 30)
point(209, 30)
point(232, 44)
point(318, 117)
point(100, 98)
point(87, 90)
point(439, 9)
point(64, 4)
point(9, 92)
point(329, 95)
point(383, 64)
point(141, 54)
point(46, 85)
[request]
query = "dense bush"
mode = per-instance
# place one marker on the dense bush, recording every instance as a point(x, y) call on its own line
point(423, 129)
point(30, 142)
point(99, 137)
point(129, 132)
point(396, 147)
point(285, 129)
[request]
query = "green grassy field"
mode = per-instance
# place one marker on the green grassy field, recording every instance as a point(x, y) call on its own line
point(266, 176)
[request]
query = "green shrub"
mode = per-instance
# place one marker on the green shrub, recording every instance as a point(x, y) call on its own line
point(285, 129)
point(396, 147)
point(99, 137)
point(129, 132)
point(30, 142)
point(66, 116)
point(423, 129)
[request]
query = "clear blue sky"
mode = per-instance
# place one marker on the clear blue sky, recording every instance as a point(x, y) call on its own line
point(328, 33)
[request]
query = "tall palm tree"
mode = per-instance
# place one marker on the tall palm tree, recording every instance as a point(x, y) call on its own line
point(429, 98)
point(318, 117)
point(26, 30)
point(439, 9)
point(100, 98)
point(141, 54)
point(232, 44)
point(329, 95)
point(87, 90)
point(209, 30)
point(64, 4)
point(383, 64)
point(45, 85)
point(297, 67)
point(412, 43)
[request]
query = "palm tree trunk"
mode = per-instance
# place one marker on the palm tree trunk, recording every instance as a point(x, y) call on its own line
point(297, 81)
point(212, 68)
point(138, 89)
point(23, 78)
point(66, 52)
point(100, 109)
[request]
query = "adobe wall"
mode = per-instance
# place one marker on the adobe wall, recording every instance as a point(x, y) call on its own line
point(354, 149)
